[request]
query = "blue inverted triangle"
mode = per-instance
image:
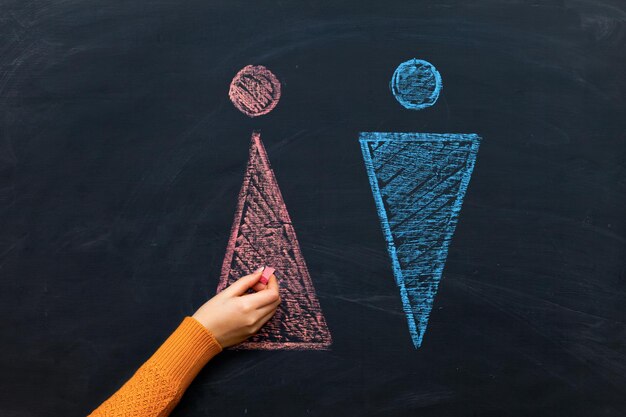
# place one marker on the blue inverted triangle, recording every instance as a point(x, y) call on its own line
point(418, 181)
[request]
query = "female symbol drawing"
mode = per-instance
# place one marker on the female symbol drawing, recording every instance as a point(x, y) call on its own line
point(262, 232)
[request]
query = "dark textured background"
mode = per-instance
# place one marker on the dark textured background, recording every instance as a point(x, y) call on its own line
point(121, 158)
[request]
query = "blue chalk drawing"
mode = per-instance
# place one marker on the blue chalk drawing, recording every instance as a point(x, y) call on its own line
point(416, 84)
point(418, 181)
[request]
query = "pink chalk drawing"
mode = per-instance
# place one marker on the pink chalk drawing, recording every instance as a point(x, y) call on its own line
point(254, 90)
point(262, 234)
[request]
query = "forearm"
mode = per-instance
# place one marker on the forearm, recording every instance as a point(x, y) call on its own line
point(156, 387)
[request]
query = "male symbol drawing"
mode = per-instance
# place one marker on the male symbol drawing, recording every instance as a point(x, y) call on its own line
point(418, 181)
point(262, 232)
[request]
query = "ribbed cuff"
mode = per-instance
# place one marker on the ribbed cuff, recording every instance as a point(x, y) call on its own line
point(186, 351)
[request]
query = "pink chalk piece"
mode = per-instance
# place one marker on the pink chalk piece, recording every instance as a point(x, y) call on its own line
point(254, 90)
point(262, 233)
point(266, 274)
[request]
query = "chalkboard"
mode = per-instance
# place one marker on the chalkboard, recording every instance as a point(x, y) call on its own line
point(122, 158)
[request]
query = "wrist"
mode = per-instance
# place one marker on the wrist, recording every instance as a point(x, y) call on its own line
point(186, 351)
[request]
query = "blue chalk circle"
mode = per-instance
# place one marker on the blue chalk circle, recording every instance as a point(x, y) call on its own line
point(416, 84)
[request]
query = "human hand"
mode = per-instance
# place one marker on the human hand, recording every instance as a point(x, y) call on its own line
point(233, 315)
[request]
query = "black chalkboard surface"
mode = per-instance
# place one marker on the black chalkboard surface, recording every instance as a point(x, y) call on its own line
point(121, 158)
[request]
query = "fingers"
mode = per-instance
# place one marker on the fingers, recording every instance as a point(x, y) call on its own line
point(270, 308)
point(272, 284)
point(244, 283)
point(265, 297)
point(259, 286)
point(264, 319)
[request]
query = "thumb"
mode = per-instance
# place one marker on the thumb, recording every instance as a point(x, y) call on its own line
point(243, 284)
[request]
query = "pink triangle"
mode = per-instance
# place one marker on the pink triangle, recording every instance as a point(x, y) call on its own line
point(262, 234)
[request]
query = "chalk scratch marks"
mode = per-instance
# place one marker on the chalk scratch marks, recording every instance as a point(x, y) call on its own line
point(418, 182)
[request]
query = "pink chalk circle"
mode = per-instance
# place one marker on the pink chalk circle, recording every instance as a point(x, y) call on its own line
point(254, 90)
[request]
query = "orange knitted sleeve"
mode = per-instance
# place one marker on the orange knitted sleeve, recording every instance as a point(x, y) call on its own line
point(158, 385)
